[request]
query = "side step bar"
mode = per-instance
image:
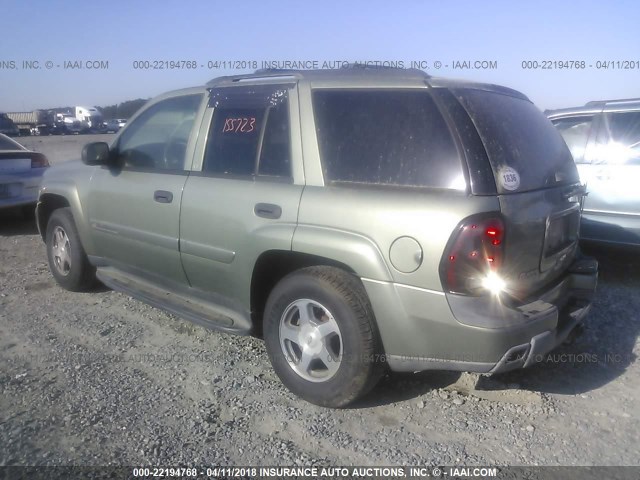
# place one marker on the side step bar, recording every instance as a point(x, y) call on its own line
point(191, 307)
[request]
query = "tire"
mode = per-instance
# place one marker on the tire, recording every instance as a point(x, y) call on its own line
point(68, 261)
point(339, 327)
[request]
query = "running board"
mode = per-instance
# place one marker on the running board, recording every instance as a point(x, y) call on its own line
point(190, 307)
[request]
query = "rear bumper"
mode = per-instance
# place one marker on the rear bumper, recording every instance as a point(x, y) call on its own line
point(522, 356)
point(514, 337)
point(23, 188)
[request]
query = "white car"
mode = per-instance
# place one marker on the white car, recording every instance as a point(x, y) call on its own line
point(20, 175)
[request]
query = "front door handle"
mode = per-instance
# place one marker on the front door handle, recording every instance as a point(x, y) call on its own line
point(162, 196)
point(267, 210)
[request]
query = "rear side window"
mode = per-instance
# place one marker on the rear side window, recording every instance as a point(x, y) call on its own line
point(388, 137)
point(250, 133)
point(576, 132)
point(526, 152)
point(621, 139)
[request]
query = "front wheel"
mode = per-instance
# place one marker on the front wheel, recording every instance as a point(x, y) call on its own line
point(67, 260)
point(321, 336)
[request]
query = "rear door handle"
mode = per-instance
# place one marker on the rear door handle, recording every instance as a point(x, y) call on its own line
point(162, 196)
point(267, 210)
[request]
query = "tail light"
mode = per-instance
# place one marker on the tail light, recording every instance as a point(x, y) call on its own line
point(38, 160)
point(473, 257)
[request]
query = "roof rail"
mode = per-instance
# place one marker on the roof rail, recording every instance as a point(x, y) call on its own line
point(595, 103)
point(348, 66)
point(274, 71)
point(271, 74)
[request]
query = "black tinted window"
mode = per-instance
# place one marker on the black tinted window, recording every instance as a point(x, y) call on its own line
point(392, 137)
point(276, 150)
point(576, 132)
point(623, 132)
point(249, 132)
point(525, 150)
point(234, 139)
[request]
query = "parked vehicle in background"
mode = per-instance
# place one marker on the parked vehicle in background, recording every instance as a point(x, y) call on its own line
point(356, 218)
point(66, 123)
point(21, 172)
point(89, 115)
point(111, 126)
point(604, 139)
point(36, 122)
point(7, 127)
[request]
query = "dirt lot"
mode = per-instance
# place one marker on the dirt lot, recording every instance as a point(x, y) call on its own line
point(102, 379)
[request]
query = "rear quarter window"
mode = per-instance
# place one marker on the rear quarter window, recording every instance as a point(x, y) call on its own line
point(385, 137)
point(525, 150)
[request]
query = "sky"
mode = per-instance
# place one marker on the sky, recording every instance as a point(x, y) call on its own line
point(118, 38)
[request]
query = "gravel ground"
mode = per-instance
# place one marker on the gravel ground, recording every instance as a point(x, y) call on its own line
point(102, 379)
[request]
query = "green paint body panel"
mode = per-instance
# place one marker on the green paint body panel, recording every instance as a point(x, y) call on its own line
point(222, 237)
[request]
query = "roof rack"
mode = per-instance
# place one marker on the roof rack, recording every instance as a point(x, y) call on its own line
point(348, 66)
point(271, 74)
point(596, 103)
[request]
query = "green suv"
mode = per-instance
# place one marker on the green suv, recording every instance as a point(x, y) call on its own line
point(356, 219)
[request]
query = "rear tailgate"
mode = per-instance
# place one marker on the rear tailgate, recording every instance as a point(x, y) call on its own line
point(537, 183)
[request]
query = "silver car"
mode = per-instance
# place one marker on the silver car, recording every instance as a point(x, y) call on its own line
point(604, 138)
point(20, 174)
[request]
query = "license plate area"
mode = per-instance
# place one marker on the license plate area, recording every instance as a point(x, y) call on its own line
point(561, 237)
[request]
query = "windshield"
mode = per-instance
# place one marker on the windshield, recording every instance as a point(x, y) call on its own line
point(525, 150)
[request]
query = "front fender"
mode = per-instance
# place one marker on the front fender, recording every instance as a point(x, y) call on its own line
point(66, 186)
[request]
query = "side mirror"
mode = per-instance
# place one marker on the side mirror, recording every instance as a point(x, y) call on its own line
point(96, 153)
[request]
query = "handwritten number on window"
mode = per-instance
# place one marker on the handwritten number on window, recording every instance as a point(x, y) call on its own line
point(239, 125)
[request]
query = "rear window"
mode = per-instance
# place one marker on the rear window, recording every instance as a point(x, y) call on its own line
point(385, 137)
point(525, 150)
point(8, 144)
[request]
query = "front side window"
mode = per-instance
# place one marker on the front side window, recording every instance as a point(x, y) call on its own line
point(158, 138)
point(249, 134)
point(576, 132)
point(619, 142)
point(385, 137)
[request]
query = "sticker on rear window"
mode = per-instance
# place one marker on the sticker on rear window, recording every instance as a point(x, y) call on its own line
point(509, 178)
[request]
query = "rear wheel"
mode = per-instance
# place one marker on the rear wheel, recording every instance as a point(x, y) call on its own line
point(68, 261)
point(321, 336)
